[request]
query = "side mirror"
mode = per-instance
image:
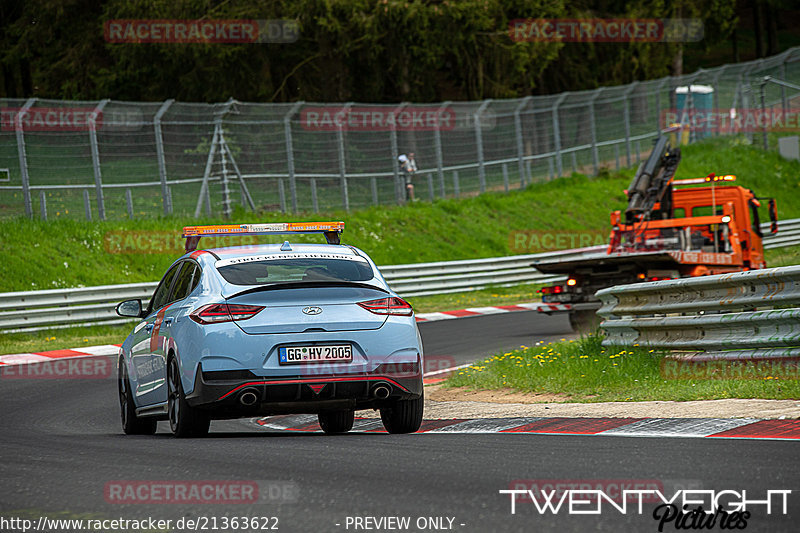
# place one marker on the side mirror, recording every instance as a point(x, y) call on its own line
point(131, 308)
point(773, 216)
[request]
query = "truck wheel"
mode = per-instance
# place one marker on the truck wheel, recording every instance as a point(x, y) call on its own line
point(584, 321)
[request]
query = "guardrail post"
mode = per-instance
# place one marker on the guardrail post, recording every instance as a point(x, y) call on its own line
point(627, 118)
point(437, 140)
point(456, 187)
point(342, 163)
point(593, 130)
point(557, 133)
point(87, 205)
point(43, 204)
point(399, 189)
point(505, 177)
point(523, 179)
point(98, 180)
point(129, 202)
point(479, 145)
point(23, 157)
point(287, 132)
point(314, 204)
point(162, 164)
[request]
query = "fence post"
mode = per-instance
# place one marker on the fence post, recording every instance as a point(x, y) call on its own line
point(715, 95)
point(764, 112)
point(373, 183)
point(287, 131)
point(523, 179)
point(129, 202)
point(616, 155)
point(342, 164)
point(43, 204)
point(399, 192)
point(456, 187)
point(314, 204)
point(281, 195)
point(226, 198)
point(162, 164)
point(437, 140)
point(430, 187)
point(658, 104)
point(627, 118)
point(98, 180)
point(479, 144)
point(784, 102)
point(23, 157)
point(204, 196)
point(551, 168)
point(87, 205)
point(505, 177)
point(557, 133)
point(593, 128)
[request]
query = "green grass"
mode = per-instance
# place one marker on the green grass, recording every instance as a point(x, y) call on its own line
point(70, 252)
point(584, 371)
point(59, 339)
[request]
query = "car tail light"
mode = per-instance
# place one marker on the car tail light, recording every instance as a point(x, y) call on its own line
point(554, 289)
point(388, 306)
point(215, 313)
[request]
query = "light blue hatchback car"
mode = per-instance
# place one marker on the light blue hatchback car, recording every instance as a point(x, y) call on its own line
point(270, 329)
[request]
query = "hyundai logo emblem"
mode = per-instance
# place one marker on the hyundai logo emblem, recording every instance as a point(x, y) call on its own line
point(312, 310)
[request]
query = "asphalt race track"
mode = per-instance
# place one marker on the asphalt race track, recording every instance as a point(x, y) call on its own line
point(62, 448)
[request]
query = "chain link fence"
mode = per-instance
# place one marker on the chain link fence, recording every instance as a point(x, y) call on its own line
point(113, 159)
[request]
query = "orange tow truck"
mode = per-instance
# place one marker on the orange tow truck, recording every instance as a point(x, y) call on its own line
point(670, 229)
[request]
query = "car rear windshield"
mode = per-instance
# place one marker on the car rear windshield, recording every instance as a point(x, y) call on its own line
point(296, 271)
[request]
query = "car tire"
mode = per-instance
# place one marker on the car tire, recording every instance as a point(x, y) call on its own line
point(131, 424)
point(403, 416)
point(184, 420)
point(333, 422)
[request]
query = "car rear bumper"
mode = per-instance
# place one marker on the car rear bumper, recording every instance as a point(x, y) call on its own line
point(253, 395)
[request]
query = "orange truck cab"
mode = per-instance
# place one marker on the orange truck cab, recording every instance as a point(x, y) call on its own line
point(671, 229)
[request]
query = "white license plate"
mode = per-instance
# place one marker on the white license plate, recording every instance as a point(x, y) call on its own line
point(341, 353)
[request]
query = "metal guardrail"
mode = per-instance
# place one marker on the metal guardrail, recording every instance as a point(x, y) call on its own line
point(726, 317)
point(37, 310)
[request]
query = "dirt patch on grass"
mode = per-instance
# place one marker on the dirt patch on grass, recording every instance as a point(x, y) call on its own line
point(462, 403)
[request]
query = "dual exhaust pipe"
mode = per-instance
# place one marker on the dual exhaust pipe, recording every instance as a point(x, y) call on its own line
point(249, 396)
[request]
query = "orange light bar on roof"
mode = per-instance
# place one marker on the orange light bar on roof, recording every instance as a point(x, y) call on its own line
point(331, 230)
point(707, 179)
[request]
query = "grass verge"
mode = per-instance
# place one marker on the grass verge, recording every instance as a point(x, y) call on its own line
point(61, 339)
point(585, 371)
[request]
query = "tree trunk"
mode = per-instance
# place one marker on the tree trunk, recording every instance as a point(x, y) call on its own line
point(757, 27)
point(772, 29)
point(677, 60)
